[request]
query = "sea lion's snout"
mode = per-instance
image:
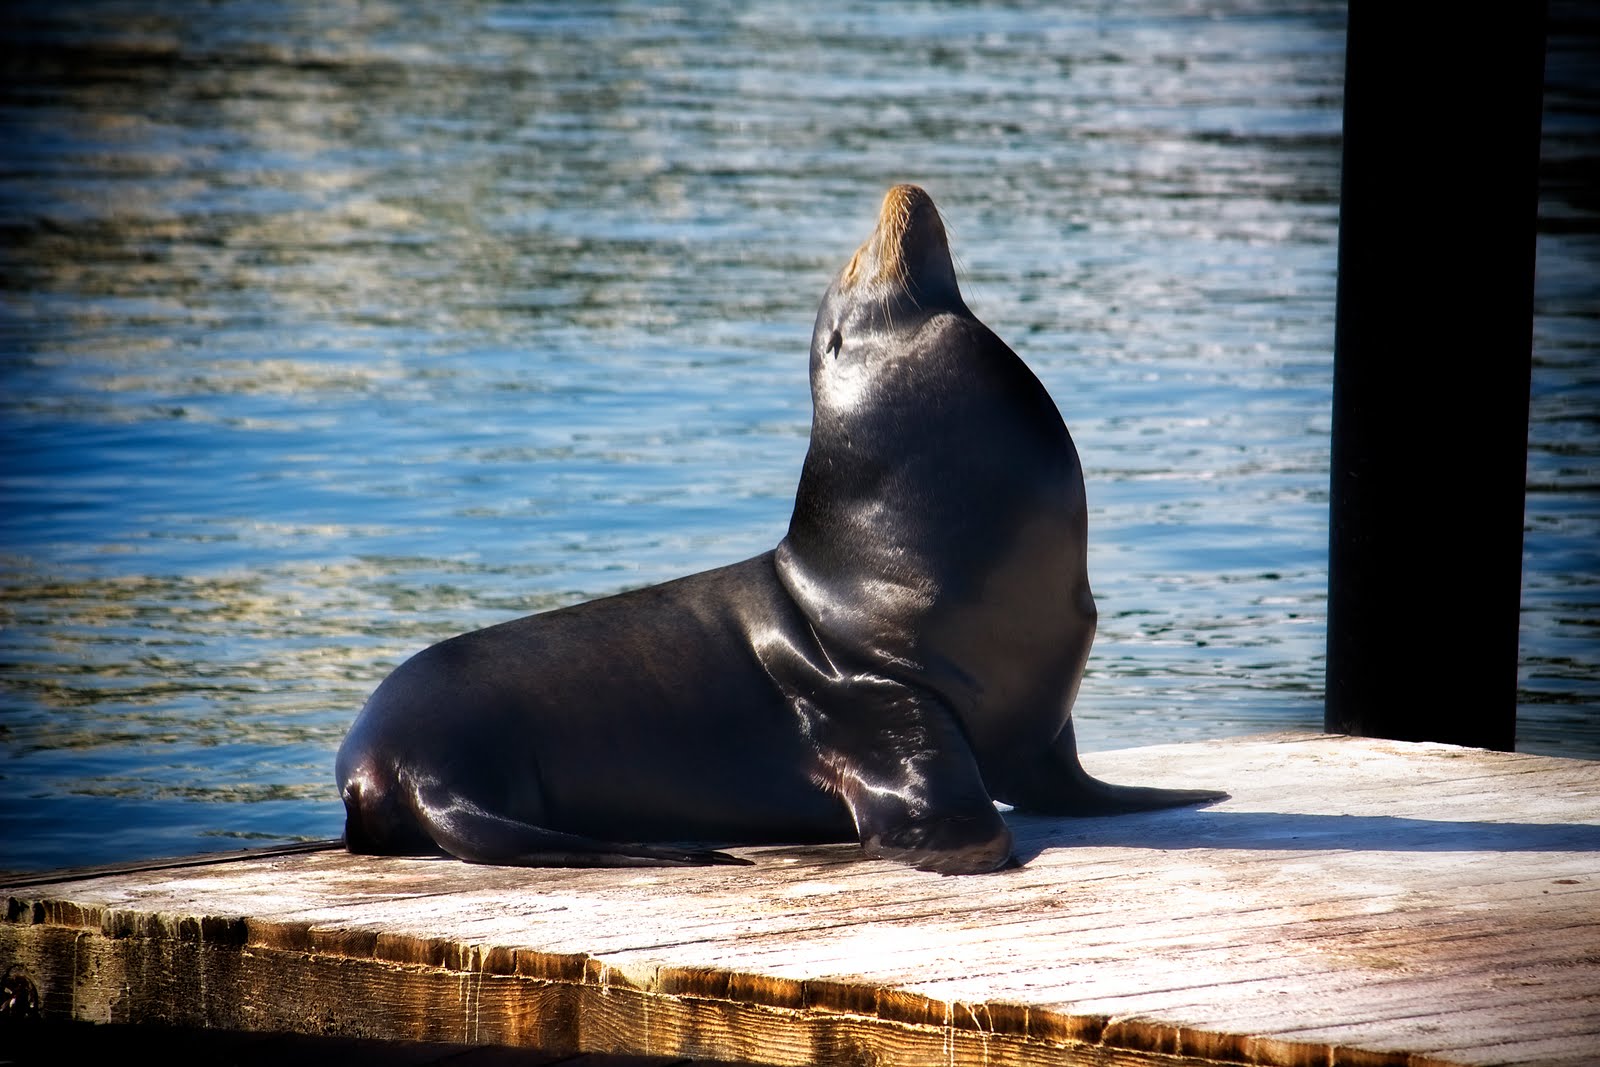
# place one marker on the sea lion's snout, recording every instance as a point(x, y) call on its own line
point(908, 250)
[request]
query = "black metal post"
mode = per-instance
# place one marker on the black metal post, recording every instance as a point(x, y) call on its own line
point(1432, 354)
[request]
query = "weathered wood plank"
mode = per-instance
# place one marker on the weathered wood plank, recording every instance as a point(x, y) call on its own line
point(49, 1044)
point(1356, 901)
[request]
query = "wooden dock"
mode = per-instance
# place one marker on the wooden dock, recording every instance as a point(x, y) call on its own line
point(1357, 902)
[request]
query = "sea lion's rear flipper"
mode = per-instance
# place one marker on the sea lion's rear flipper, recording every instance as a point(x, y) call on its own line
point(902, 765)
point(1059, 785)
point(468, 832)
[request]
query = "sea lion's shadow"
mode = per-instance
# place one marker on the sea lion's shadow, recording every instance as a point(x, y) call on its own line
point(1219, 828)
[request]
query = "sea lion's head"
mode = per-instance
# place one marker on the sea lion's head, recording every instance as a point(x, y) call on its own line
point(901, 275)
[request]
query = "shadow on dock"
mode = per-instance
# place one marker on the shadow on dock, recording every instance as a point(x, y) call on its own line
point(1277, 831)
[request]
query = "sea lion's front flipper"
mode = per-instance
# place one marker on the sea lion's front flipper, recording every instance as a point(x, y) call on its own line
point(897, 757)
point(468, 832)
point(1058, 785)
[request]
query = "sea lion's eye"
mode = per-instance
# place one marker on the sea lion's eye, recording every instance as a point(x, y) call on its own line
point(835, 342)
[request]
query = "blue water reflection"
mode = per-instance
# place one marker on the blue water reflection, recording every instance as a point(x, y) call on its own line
point(331, 330)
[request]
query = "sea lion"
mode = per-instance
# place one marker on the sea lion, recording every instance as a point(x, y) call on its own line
point(906, 656)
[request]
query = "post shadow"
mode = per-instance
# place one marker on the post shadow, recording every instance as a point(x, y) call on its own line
point(1432, 356)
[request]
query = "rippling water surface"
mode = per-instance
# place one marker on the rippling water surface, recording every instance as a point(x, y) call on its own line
point(328, 331)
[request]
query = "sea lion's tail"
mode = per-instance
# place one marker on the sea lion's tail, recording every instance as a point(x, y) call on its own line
point(469, 832)
point(390, 817)
point(377, 814)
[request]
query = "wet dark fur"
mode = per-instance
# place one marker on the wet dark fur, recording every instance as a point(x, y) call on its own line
point(908, 654)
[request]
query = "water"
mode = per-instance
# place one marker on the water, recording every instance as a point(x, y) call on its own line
point(328, 331)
